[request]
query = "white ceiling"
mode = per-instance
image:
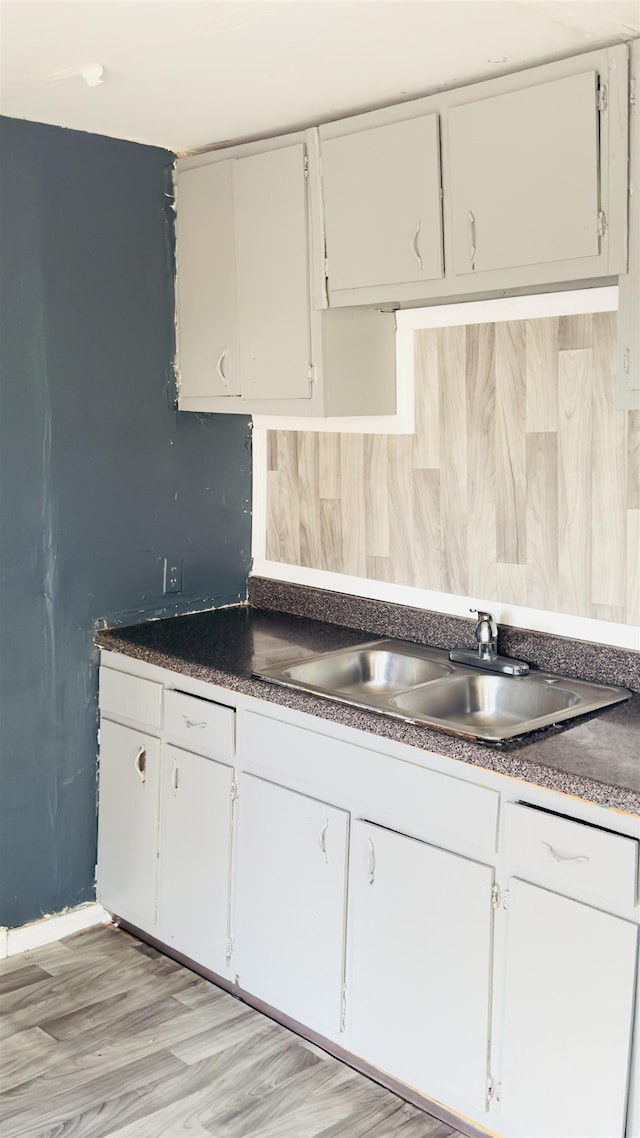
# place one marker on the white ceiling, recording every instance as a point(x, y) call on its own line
point(188, 74)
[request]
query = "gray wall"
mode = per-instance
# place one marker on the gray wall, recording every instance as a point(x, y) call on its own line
point(100, 478)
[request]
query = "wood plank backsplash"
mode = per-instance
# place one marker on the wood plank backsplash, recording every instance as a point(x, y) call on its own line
point(521, 483)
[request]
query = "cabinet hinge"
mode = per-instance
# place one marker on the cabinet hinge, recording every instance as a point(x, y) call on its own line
point(228, 950)
point(235, 790)
point(602, 223)
point(601, 97)
point(343, 1008)
point(632, 92)
point(496, 896)
point(311, 374)
point(491, 1088)
point(505, 899)
point(305, 166)
point(326, 269)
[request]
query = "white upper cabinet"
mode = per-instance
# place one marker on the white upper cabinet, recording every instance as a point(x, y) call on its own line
point(535, 175)
point(272, 274)
point(208, 323)
point(525, 176)
point(514, 182)
point(253, 336)
point(382, 208)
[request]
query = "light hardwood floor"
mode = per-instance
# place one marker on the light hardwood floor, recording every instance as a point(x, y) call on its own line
point(103, 1037)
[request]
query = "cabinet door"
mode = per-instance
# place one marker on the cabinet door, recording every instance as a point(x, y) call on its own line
point(419, 949)
point(205, 253)
point(525, 176)
point(290, 902)
point(382, 203)
point(195, 831)
point(128, 823)
point(568, 1005)
point(270, 215)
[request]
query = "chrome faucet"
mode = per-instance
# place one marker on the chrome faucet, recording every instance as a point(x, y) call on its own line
point(486, 655)
point(486, 635)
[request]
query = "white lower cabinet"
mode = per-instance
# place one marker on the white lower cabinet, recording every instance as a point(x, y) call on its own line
point(290, 902)
point(194, 863)
point(128, 823)
point(570, 979)
point(419, 963)
point(509, 1002)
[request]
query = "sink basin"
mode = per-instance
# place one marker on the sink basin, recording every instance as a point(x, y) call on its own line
point(493, 706)
point(366, 673)
point(423, 686)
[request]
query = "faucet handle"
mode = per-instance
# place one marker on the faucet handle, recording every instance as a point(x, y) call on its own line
point(482, 616)
point(486, 628)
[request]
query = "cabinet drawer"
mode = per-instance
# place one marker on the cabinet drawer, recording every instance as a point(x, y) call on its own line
point(571, 855)
point(129, 697)
point(199, 724)
point(379, 787)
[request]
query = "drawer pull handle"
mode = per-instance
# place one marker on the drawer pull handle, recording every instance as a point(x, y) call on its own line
point(219, 368)
point(472, 239)
point(372, 862)
point(414, 245)
point(176, 774)
point(140, 764)
point(558, 855)
point(193, 722)
point(322, 841)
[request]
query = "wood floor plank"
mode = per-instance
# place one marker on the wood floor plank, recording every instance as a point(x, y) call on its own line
point(34, 1115)
point(75, 987)
point(21, 977)
point(25, 1055)
point(187, 1061)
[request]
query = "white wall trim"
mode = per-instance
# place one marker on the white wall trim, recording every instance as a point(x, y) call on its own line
point(50, 928)
point(555, 623)
point(530, 307)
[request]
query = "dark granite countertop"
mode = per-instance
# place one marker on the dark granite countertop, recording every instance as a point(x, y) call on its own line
point(595, 758)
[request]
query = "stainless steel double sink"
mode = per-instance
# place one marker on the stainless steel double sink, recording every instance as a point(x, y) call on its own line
point(421, 685)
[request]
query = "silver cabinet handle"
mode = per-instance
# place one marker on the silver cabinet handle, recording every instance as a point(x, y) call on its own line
point(140, 763)
point(322, 841)
point(414, 245)
point(558, 855)
point(472, 239)
point(193, 723)
point(176, 774)
point(221, 376)
point(372, 862)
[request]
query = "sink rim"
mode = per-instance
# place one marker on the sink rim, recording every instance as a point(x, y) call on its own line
point(591, 696)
